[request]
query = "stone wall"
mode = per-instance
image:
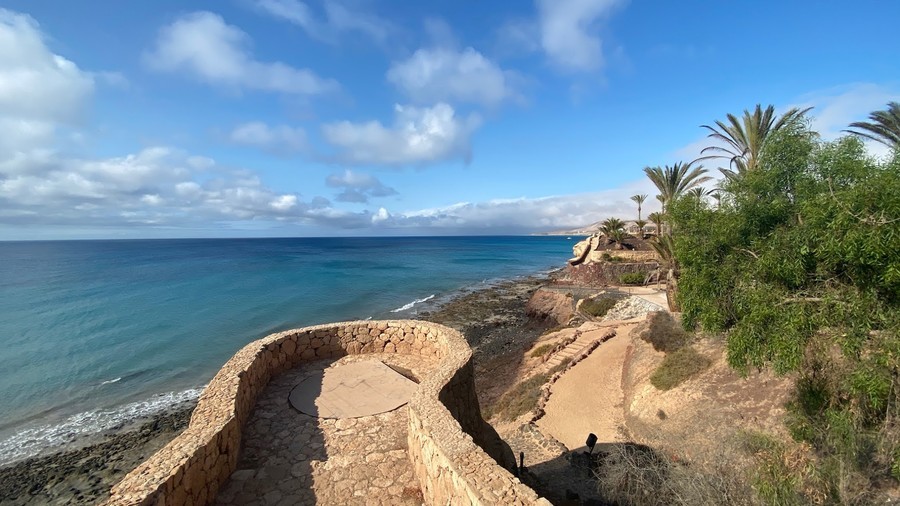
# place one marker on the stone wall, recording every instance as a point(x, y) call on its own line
point(626, 256)
point(445, 421)
point(451, 464)
point(603, 273)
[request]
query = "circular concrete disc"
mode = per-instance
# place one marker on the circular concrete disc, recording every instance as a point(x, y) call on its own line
point(352, 390)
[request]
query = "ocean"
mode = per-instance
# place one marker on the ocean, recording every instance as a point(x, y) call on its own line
point(95, 334)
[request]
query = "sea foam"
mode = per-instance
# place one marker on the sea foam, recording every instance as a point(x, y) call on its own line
point(407, 307)
point(36, 440)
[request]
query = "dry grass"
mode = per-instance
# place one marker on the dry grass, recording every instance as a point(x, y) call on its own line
point(542, 350)
point(520, 399)
point(633, 474)
point(677, 367)
point(663, 332)
point(523, 397)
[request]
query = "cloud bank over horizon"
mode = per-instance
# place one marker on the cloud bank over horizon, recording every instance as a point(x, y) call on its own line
point(215, 128)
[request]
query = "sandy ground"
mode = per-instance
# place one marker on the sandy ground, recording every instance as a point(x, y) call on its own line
point(588, 398)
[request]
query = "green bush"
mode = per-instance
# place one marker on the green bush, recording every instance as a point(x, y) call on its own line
point(633, 278)
point(677, 367)
point(800, 268)
point(612, 258)
point(598, 307)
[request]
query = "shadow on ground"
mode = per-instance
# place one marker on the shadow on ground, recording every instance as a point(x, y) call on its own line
point(289, 457)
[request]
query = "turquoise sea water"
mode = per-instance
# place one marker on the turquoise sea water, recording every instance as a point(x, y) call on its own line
point(96, 333)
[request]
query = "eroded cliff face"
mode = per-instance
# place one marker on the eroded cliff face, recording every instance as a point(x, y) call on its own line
point(551, 306)
point(582, 250)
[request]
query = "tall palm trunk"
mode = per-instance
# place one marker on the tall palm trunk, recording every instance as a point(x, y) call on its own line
point(672, 291)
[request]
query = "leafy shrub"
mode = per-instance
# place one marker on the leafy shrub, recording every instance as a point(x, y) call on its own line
point(800, 266)
point(598, 307)
point(614, 259)
point(677, 367)
point(633, 278)
point(663, 332)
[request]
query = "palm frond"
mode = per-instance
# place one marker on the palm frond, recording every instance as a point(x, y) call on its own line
point(741, 140)
point(884, 126)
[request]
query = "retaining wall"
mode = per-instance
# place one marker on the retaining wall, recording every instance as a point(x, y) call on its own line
point(603, 273)
point(445, 424)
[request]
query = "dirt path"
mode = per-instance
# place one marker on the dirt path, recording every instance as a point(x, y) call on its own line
point(589, 397)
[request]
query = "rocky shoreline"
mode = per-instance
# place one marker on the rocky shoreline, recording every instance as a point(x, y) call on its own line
point(493, 320)
point(85, 475)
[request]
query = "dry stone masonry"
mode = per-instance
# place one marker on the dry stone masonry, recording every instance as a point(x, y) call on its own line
point(453, 452)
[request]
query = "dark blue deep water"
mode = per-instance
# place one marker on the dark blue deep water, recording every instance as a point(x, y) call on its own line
point(96, 333)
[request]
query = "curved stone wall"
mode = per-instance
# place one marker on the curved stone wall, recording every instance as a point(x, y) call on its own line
point(444, 419)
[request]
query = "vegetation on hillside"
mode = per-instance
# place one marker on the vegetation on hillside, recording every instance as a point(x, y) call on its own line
point(798, 266)
point(794, 259)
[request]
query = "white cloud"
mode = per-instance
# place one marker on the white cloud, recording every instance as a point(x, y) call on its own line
point(524, 215)
point(156, 186)
point(338, 18)
point(419, 136)
point(280, 139)
point(39, 90)
point(160, 187)
point(357, 186)
point(835, 108)
point(443, 74)
point(202, 45)
point(381, 215)
point(569, 31)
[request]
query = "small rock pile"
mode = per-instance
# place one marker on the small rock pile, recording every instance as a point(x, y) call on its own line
point(631, 307)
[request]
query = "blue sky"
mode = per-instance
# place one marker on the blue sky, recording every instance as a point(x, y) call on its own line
point(365, 117)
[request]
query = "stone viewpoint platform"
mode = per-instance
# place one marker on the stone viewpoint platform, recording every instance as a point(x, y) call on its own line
point(246, 444)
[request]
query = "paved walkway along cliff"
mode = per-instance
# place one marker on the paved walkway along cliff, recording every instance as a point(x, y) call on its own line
point(245, 444)
point(290, 457)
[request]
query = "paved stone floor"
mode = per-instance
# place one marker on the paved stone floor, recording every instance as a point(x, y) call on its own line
point(291, 458)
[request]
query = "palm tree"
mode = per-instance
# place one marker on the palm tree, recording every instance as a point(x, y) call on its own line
point(698, 192)
point(673, 181)
point(745, 137)
point(664, 246)
point(657, 219)
point(884, 127)
point(640, 224)
point(717, 195)
point(639, 199)
point(613, 228)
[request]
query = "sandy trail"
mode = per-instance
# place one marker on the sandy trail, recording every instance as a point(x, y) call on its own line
point(589, 397)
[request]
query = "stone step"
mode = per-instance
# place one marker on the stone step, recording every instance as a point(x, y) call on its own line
point(572, 350)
